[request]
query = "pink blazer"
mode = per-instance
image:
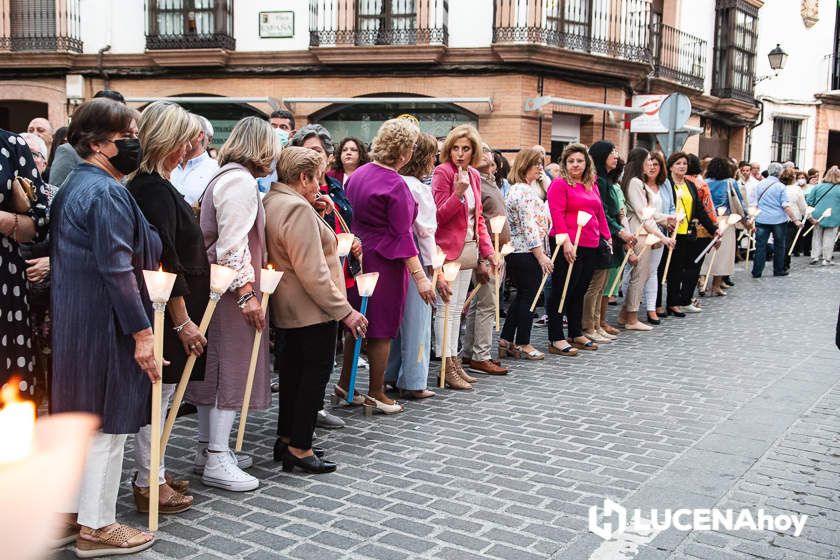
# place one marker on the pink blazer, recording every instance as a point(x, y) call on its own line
point(452, 213)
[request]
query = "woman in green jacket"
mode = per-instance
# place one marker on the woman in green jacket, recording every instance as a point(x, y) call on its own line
point(822, 197)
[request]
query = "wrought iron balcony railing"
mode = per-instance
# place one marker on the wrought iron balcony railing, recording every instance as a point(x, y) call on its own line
point(189, 24)
point(377, 22)
point(40, 25)
point(678, 56)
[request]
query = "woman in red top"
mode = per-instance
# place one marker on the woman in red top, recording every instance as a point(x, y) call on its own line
point(572, 191)
point(456, 186)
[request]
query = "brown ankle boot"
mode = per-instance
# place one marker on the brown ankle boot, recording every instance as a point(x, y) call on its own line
point(453, 380)
point(463, 374)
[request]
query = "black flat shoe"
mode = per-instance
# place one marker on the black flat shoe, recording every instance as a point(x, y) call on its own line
point(654, 321)
point(280, 447)
point(673, 313)
point(312, 464)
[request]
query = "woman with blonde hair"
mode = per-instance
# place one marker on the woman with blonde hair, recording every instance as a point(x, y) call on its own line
point(233, 222)
point(310, 302)
point(165, 130)
point(408, 362)
point(573, 191)
point(529, 222)
point(384, 217)
point(462, 234)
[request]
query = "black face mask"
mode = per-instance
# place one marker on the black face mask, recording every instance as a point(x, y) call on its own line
point(129, 154)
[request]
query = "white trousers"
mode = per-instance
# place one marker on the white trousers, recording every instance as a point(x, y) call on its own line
point(822, 242)
point(214, 427)
point(142, 441)
point(459, 288)
point(97, 500)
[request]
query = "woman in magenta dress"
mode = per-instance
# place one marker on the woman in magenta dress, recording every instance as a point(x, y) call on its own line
point(384, 212)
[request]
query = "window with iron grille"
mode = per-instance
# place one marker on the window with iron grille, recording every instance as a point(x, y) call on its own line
point(386, 22)
point(736, 35)
point(788, 141)
point(179, 24)
point(40, 25)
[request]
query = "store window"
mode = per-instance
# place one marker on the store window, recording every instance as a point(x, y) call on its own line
point(363, 121)
point(788, 141)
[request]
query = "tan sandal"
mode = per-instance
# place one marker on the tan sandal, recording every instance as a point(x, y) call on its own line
point(179, 485)
point(176, 503)
point(98, 543)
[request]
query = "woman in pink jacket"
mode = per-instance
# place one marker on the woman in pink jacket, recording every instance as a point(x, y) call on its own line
point(574, 190)
point(462, 235)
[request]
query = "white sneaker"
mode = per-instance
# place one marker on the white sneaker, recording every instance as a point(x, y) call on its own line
point(691, 309)
point(221, 471)
point(363, 364)
point(826, 262)
point(594, 336)
point(243, 461)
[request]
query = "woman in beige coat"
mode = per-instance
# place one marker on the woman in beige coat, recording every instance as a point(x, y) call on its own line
point(637, 198)
point(309, 303)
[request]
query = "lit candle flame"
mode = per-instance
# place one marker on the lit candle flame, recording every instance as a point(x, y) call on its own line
point(269, 266)
point(17, 424)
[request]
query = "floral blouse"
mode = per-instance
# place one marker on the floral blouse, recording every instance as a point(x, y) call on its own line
point(528, 217)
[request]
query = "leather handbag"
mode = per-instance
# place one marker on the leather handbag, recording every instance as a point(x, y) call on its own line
point(469, 255)
point(23, 195)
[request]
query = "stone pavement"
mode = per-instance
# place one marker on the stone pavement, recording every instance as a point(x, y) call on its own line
point(735, 407)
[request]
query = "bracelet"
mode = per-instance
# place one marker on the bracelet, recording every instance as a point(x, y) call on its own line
point(243, 299)
point(13, 232)
point(180, 327)
point(413, 272)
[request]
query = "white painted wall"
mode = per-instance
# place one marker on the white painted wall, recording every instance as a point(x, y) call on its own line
point(697, 17)
point(246, 28)
point(791, 92)
point(470, 23)
point(108, 22)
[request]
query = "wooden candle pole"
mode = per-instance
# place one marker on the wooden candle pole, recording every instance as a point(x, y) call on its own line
point(560, 239)
point(157, 397)
point(670, 253)
point(496, 294)
point(569, 271)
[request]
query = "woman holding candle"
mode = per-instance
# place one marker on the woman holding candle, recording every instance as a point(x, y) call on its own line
point(639, 198)
point(352, 154)
point(165, 132)
point(823, 196)
point(726, 195)
point(656, 182)
point(529, 222)
point(385, 212)
point(408, 362)
point(574, 191)
point(462, 234)
point(101, 243)
point(310, 302)
point(605, 157)
point(233, 222)
point(684, 272)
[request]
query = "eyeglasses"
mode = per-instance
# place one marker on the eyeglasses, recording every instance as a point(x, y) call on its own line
point(39, 155)
point(486, 150)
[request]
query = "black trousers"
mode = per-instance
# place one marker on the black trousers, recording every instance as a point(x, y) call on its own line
point(306, 360)
point(684, 272)
point(525, 273)
point(578, 284)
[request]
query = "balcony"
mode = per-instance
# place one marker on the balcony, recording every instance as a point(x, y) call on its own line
point(678, 56)
point(344, 23)
point(609, 29)
point(40, 25)
point(189, 24)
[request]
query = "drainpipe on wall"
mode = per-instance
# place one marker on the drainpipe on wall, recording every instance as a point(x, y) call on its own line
point(106, 81)
point(754, 125)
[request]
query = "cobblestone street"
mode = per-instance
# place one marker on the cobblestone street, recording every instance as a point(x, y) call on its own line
point(735, 407)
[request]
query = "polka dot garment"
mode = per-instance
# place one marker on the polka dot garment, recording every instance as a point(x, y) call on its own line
point(16, 354)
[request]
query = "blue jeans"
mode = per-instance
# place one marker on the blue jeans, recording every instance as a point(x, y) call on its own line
point(762, 233)
point(413, 341)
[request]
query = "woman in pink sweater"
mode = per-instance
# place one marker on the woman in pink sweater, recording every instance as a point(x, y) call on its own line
point(572, 191)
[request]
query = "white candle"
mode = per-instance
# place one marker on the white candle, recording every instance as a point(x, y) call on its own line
point(17, 424)
point(269, 278)
point(345, 242)
point(450, 271)
point(220, 278)
point(583, 218)
point(159, 284)
point(366, 283)
point(497, 223)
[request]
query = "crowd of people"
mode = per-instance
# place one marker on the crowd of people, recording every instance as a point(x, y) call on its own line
point(87, 208)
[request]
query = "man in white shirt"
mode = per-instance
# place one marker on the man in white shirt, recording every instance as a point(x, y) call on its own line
point(749, 186)
point(191, 178)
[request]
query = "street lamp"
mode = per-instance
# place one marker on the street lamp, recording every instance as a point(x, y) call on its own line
point(777, 58)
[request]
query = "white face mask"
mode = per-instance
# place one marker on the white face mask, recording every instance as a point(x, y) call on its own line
point(800, 182)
